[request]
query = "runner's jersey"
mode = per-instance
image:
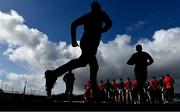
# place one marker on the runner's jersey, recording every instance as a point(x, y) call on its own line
point(108, 86)
point(154, 84)
point(135, 84)
point(101, 86)
point(121, 85)
point(167, 82)
point(114, 85)
point(87, 85)
point(127, 84)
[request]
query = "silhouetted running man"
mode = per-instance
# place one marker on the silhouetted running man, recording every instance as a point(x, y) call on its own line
point(95, 23)
point(69, 80)
point(141, 60)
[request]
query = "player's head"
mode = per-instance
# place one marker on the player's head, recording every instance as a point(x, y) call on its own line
point(95, 6)
point(101, 81)
point(138, 47)
point(120, 79)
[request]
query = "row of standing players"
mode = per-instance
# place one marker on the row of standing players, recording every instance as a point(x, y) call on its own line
point(128, 92)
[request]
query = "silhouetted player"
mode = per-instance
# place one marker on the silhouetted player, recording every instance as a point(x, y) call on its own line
point(95, 23)
point(141, 60)
point(69, 80)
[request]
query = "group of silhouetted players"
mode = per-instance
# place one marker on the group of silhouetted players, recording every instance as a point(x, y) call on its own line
point(129, 92)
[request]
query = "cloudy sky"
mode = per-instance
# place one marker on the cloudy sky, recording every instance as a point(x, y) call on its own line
point(35, 36)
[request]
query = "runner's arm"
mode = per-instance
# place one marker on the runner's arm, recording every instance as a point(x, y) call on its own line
point(74, 25)
point(107, 21)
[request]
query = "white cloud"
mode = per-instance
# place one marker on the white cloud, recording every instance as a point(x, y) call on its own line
point(32, 47)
